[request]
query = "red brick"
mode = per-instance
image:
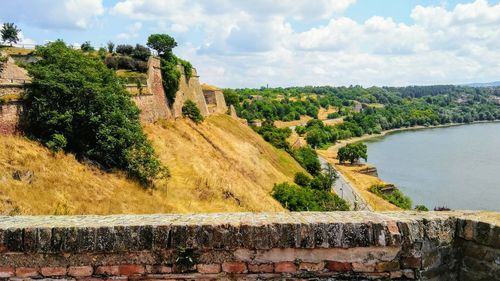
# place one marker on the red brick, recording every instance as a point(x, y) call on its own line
point(285, 266)
point(53, 271)
point(158, 269)
point(130, 269)
point(80, 271)
point(208, 268)
point(26, 272)
point(107, 270)
point(234, 267)
point(411, 262)
point(311, 266)
point(6, 271)
point(261, 267)
point(338, 266)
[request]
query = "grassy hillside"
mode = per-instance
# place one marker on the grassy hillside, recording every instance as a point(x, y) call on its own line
point(219, 165)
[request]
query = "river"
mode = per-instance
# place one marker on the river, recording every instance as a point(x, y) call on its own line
point(457, 167)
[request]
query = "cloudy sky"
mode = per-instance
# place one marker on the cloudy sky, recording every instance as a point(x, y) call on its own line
point(251, 43)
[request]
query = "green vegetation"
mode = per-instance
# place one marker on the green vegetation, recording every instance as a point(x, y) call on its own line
point(86, 47)
point(126, 57)
point(352, 153)
point(276, 136)
point(3, 60)
point(10, 33)
point(296, 198)
point(421, 208)
point(191, 111)
point(394, 196)
point(77, 104)
point(307, 158)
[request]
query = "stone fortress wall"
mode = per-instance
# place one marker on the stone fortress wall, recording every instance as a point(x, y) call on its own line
point(254, 246)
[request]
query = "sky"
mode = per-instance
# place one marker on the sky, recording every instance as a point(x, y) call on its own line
point(243, 43)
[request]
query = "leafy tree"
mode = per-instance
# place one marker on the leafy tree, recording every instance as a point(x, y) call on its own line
point(111, 46)
point(421, 208)
point(77, 104)
point(86, 47)
point(125, 50)
point(352, 152)
point(141, 52)
point(308, 159)
point(302, 179)
point(162, 43)
point(10, 33)
point(231, 97)
point(191, 111)
point(395, 196)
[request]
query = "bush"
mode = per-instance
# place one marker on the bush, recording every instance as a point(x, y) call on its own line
point(102, 53)
point(421, 208)
point(125, 62)
point(296, 198)
point(308, 159)
point(77, 104)
point(111, 46)
point(395, 197)
point(141, 66)
point(141, 52)
point(125, 50)
point(191, 111)
point(352, 152)
point(86, 47)
point(111, 62)
point(302, 179)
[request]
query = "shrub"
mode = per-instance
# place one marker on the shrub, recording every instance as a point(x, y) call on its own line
point(77, 104)
point(308, 159)
point(111, 46)
point(86, 47)
point(125, 50)
point(126, 62)
point(141, 52)
point(191, 111)
point(141, 66)
point(421, 208)
point(302, 179)
point(395, 197)
point(296, 198)
point(102, 53)
point(111, 62)
point(352, 152)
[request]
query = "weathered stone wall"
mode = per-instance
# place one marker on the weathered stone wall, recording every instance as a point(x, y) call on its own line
point(153, 105)
point(215, 101)
point(9, 117)
point(272, 246)
point(189, 89)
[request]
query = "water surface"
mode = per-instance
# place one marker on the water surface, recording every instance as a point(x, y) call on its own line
point(457, 167)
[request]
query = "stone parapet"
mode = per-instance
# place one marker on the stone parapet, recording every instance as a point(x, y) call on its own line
point(255, 246)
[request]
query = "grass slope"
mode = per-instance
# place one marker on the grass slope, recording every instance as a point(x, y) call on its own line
point(219, 165)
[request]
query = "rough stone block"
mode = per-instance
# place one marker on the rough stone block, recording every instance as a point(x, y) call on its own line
point(310, 266)
point(26, 272)
point(208, 268)
point(234, 267)
point(130, 269)
point(6, 271)
point(363, 267)
point(107, 270)
point(387, 266)
point(261, 267)
point(285, 267)
point(80, 271)
point(338, 266)
point(53, 271)
point(158, 269)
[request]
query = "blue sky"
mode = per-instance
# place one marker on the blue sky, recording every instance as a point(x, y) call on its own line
point(239, 43)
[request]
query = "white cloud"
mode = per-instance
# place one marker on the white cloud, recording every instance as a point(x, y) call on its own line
point(132, 31)
point(252, 43)
point(48, 14)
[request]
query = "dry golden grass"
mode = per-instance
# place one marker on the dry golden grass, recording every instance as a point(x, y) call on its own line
point(217, 166)
point(323, 113)
point(359, 181)
point(16, 51)
point(303, 120)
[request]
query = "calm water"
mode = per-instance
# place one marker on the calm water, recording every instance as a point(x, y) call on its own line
point(457, 167)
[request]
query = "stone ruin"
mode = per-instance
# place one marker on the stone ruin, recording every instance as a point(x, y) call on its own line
point(215, 99)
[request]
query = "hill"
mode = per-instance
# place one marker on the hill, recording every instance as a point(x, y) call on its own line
point(217, 166)
point(488, 84)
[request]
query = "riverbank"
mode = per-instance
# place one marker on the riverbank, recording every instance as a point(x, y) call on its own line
point(362, 182)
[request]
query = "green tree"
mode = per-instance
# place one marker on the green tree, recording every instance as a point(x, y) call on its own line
point(231, 97)
point(191, 111)
point(86, 47)
point(111, 46)
point(10, 33)
point(77, 104)
point(162, 43)
point(296, 198)
point(302, 179)
point(352, 153)
point(308, 159)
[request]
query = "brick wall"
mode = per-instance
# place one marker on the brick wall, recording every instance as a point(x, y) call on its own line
point(273, 246)
point(9, 117)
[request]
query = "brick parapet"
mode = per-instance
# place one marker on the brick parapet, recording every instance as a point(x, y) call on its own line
point(349, 245)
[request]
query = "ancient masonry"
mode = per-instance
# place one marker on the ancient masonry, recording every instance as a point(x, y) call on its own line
point(152, 102)
point(251, 246)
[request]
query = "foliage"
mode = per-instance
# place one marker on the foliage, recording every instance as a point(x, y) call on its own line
point(352, 152)
point(3, 60)
point(162, 43)
point(421, 208)
point(185, 259)
point(170, 76)
point(395, 196)
point(125, 50)
point(141, 52)
point(10, 33)
point(86, 47)
point(111, 46)
point(191, 111)
point(302, 179)
point(276, 136)
point(76, 97)
point(296, 198)
point(325, 179)
point(102, 53)
point(231, 97)
point(307, 158)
